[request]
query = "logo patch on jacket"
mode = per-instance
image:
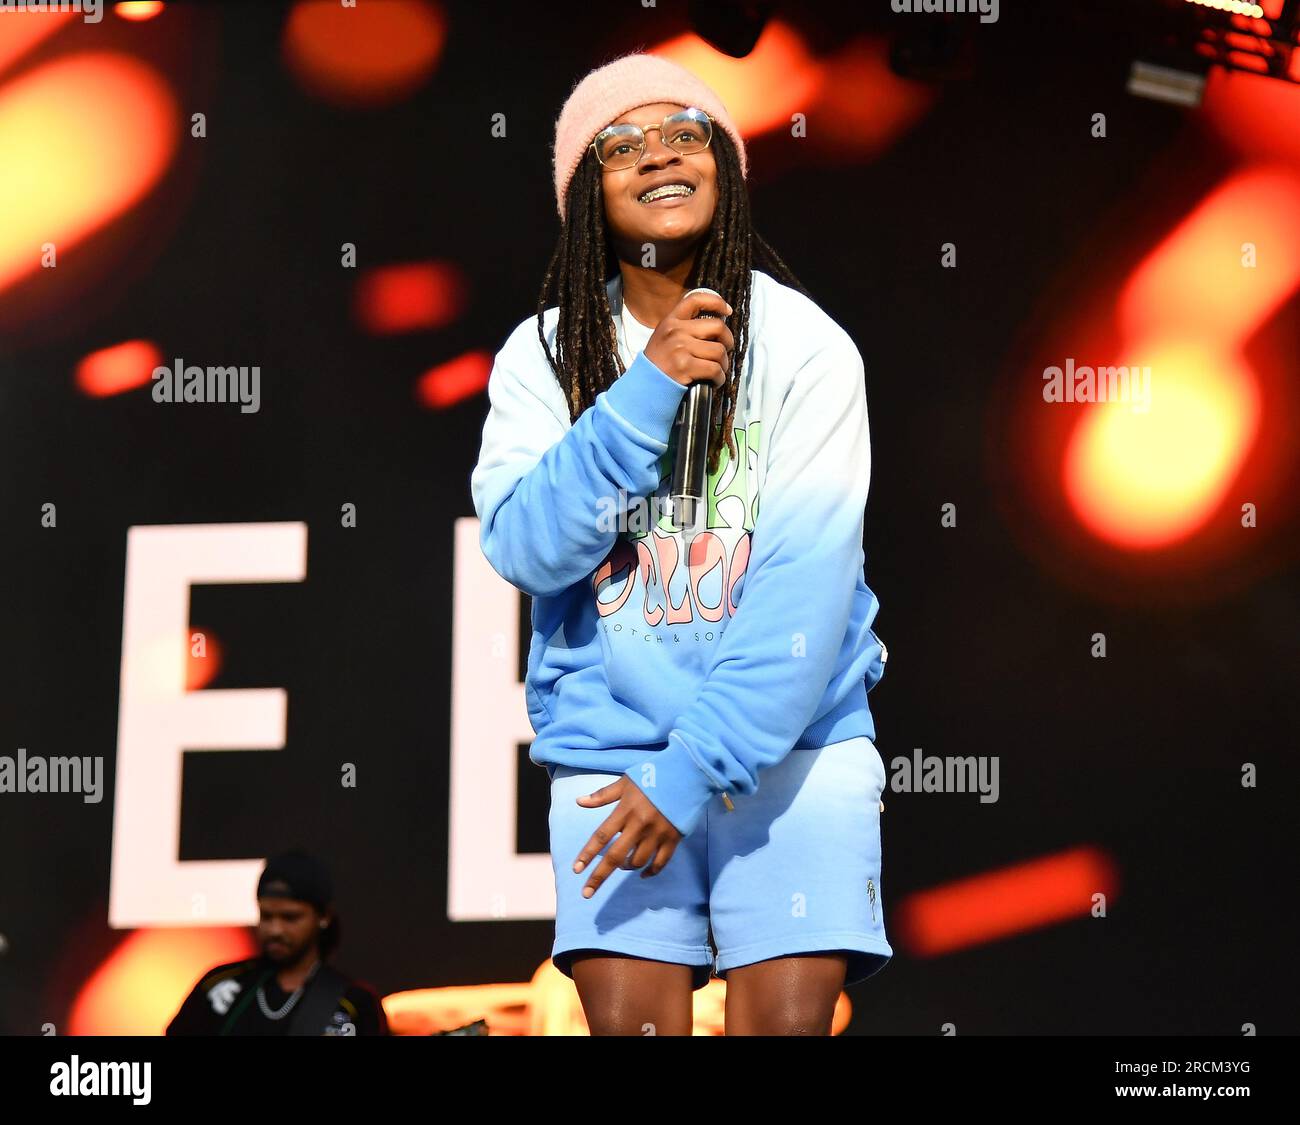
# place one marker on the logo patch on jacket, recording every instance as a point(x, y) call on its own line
point(222, 995)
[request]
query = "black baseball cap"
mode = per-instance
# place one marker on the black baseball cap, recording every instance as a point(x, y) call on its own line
point(295, 874)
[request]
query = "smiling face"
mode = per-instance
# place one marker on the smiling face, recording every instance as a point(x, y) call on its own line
point(674, 220)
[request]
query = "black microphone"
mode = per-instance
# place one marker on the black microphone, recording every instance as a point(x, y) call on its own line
point(692, 430)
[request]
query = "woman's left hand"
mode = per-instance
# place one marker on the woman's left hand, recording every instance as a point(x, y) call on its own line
point(636, 827)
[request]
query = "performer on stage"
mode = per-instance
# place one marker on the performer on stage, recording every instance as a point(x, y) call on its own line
point(699, 693)
point(288, 990)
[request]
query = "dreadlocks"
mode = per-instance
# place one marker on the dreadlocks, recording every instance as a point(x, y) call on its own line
point(586, 343)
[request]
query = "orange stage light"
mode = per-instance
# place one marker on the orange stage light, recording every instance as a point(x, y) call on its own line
point(1196, 285)
point(1146, 479)
point(1258, 117)
point(853, 99)
point(762, 90)
point(410, 297)
point(142, 984)
point(864, 105)
point(371, 54)
point(452, 382)
point(23, 33)
point(998, 904)
point(85, 138)
point(122, 367)
point(138, 9)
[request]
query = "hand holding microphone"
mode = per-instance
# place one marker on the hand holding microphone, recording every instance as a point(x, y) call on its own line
point(692, 345)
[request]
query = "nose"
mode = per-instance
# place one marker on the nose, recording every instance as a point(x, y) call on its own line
point(657, 150)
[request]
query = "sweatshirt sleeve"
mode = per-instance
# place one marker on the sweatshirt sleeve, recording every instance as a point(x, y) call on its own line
point(774, 661)
point(544, 491)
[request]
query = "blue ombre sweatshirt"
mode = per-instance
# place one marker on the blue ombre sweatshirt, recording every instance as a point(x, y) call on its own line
point(689, 659)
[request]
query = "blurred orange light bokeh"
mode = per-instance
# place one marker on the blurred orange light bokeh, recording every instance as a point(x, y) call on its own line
point(454, 381)
point(138, 9)
point(23, 34)
point(370, 54)
point(998, 904)
point(122, 367)
point(1146, 479)
point(1197, 284)
point(851, 99)
point(142, 984)
point(84, 139)
point(761, 91)
point(410, 297)
point(864, 105)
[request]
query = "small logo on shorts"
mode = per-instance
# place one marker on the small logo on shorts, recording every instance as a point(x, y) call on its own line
point(871, 896)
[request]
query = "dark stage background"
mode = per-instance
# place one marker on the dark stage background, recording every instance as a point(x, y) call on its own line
point(1120, 775)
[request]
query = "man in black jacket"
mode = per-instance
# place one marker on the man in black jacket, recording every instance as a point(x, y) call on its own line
point(288, 990)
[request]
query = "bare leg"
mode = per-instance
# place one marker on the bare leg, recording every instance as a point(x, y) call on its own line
point(785, 995)
point(624, 995)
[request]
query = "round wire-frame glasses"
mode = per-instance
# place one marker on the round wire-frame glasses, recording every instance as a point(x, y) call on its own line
point(622, 146)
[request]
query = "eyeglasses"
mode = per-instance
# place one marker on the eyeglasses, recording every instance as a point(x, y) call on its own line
point(622, 146)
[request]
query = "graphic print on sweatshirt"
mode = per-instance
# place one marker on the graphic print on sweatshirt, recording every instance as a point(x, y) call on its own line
point(653, 584)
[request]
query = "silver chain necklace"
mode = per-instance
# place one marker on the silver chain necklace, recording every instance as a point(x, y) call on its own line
point(287, 1006)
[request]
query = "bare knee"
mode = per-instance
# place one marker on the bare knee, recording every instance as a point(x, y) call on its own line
point(785, 1019)
point(785, 995)
point(625, 995)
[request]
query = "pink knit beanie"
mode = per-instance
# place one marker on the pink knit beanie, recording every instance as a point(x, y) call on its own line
point(610, 91)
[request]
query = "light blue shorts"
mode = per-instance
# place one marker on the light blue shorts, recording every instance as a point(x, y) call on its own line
point(794, 869)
